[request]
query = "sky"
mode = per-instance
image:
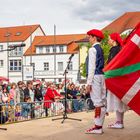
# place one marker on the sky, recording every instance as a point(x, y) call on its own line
point(69, 16)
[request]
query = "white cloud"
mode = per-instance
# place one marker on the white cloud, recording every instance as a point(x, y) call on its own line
point(70, 16)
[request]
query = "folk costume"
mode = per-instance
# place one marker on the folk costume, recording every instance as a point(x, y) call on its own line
point(114, 104)
point(95, 78)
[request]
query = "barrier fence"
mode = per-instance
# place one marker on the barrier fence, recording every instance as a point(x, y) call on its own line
point(34, 110)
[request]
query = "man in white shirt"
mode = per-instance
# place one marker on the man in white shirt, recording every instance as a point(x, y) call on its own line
point(95, 79)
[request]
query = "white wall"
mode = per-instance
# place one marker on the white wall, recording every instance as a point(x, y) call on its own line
point(37, 32)
point(39, 61)
point(16, 76)
point(3, 56)
point(51, 49)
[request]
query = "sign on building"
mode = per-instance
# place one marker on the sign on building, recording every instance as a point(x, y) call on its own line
point(28, 73)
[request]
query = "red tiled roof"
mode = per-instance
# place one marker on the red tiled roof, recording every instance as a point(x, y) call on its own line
point(72, 47)
point(17, 33)
point(49, 40)
point(127, 21)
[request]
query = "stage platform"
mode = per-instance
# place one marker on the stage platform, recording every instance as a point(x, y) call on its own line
point(46, 129)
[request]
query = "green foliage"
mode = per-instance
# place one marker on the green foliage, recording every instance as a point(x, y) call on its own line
point(105, 45)
point(83, 69)
point(83, 65)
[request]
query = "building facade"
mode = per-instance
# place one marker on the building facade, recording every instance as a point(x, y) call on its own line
point(50, 58)
point(11, 62)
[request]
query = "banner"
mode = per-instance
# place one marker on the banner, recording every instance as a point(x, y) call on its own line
point(28, 73)
point(123, 72)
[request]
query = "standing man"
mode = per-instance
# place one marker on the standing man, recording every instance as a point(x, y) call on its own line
point(95, 80)
point(28, 92)
point(19, 92)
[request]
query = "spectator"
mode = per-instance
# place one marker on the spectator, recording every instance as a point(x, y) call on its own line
point(5, 96)
point(26, 108)
point(38, 93)
point(57, 107)
point(20, 92)
point(3, 118)
point(60, 88)
point(49, 97)
point(80, 104)
point(13, 94)
point(1, 94)
point(69, 90)
point(28, 92)
point(83, 92)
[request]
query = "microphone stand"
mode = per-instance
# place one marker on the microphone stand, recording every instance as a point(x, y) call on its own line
point(65, 116)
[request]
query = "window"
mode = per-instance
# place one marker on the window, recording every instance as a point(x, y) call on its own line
point(15, 65)
point(1, 63)
point(40, 50)
point(46, 66)
point(16, 52)
point(47, 49)
point(70, 66)
point(7, 34)
point(18, 34)
point(59, 80)
point(61, 49)
point(60, 66)
point(54, 49)
point(1, 47)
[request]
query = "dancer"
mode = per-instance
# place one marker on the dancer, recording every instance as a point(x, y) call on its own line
point(95, 80)
point(114, 104)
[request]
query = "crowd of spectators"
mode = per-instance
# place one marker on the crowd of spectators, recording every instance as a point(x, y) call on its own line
point(22, 100)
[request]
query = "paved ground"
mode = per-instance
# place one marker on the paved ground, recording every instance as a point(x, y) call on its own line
point(45, 129)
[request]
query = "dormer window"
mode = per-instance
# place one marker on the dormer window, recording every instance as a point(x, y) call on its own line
point(18, 34)
point(7, 34)
point(47, 49)
point(54, 49)
point(40, 50)
point(61, 48)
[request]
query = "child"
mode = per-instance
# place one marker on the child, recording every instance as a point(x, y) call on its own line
point(3, 119)
point(26, 108)
point(80, 104)
point(57, 107)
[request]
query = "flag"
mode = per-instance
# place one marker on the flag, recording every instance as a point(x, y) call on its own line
point(122, 74)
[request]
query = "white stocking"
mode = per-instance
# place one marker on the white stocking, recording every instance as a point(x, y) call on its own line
point(119, 116)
